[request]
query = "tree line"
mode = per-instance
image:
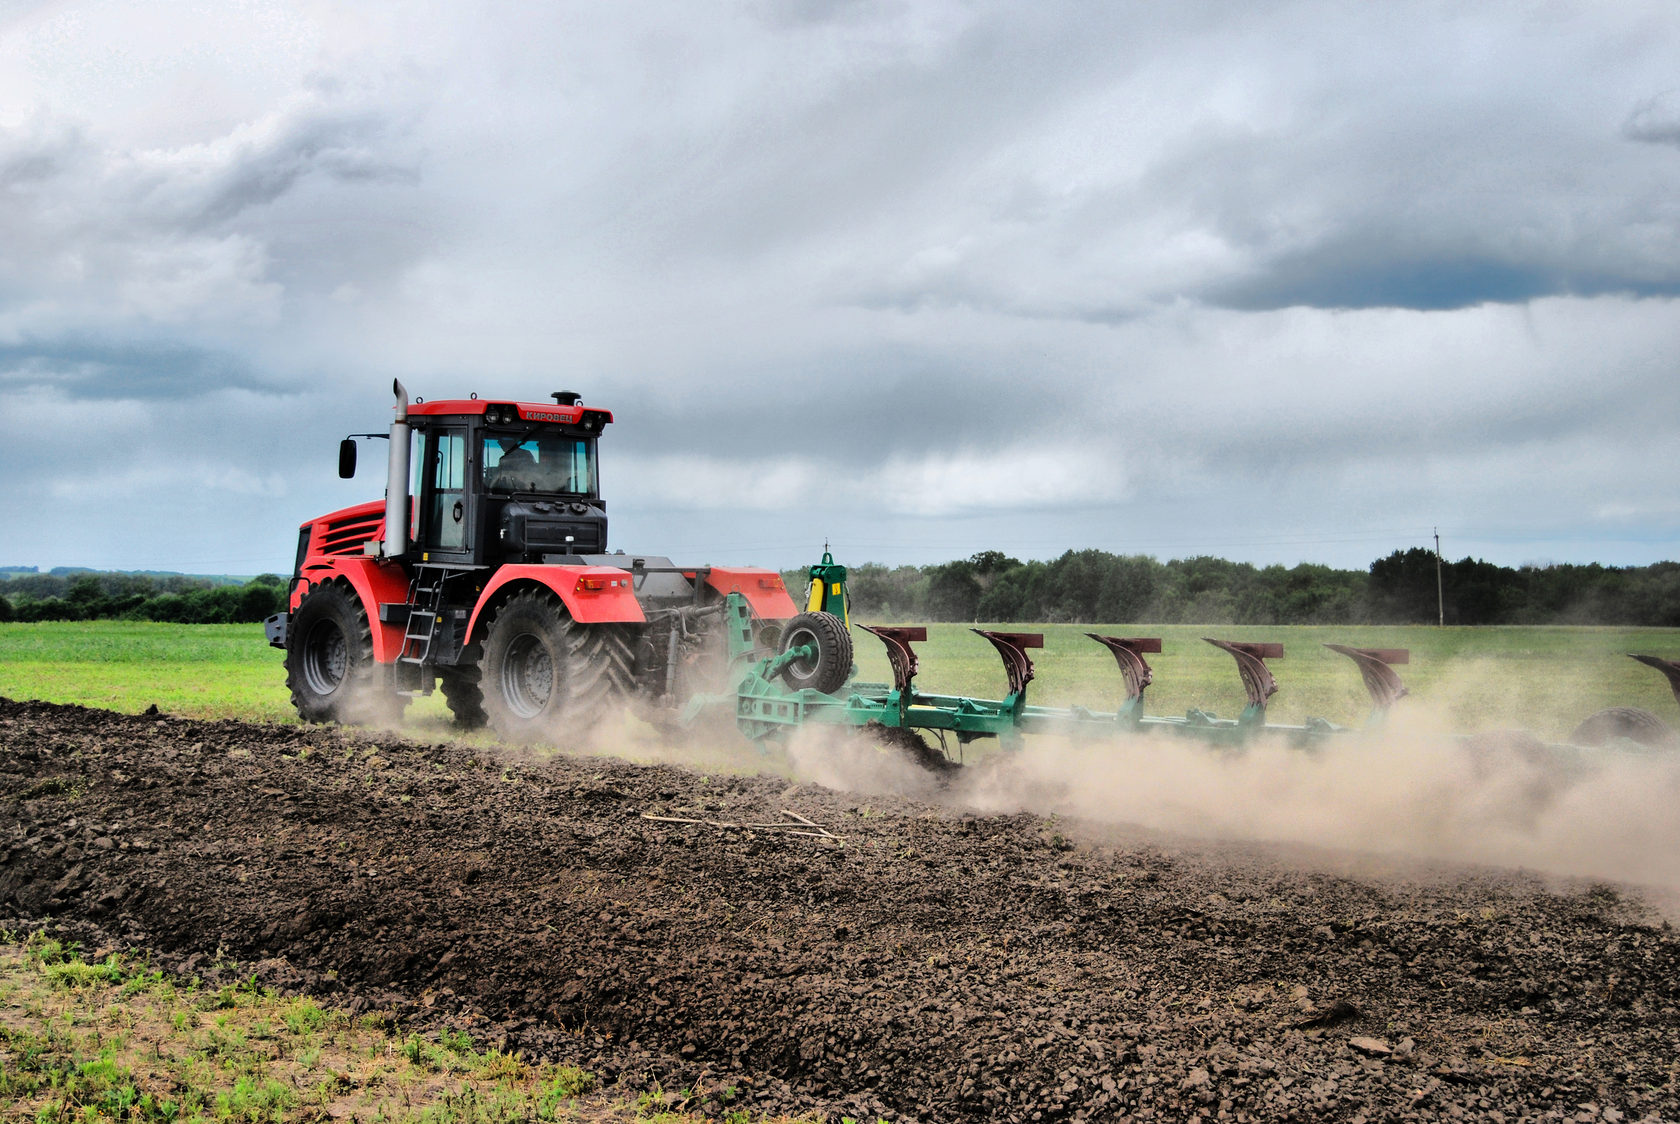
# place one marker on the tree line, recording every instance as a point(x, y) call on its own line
point(118, 596)
point(1084, 586)
point(1094, 586)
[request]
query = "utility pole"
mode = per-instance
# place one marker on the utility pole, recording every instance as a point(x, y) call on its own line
point(1440, 601)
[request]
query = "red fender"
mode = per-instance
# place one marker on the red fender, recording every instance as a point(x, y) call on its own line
point(592, 594)
point(763, 589)
point(374, 582)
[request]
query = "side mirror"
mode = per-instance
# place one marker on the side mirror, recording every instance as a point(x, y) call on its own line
point(346, 458)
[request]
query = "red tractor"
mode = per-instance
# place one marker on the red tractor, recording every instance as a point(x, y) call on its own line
point(491, 578)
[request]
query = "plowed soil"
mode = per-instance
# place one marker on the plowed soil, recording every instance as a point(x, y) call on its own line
point(929, 964)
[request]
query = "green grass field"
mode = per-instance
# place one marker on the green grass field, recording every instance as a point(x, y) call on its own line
point(199, 670)
point(1541, 679)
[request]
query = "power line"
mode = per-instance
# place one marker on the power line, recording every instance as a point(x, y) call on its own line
point(1440, 602)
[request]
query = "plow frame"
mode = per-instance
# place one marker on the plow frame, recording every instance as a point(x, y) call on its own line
point(766, 709)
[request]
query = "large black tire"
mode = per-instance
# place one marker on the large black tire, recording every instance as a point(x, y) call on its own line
point(329, 660)
point(827, 670)
point(463, 690)
point(1630, 722)
point(545, 676)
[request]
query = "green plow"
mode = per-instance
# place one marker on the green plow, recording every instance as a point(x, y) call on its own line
point(768, 705)
point(765, 708)
point(809, 679)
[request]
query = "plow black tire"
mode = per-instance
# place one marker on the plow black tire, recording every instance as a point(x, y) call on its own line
point(545, 676)
point(827, 670)
point(914, 748)
point(1630, 722)
point(329, 660)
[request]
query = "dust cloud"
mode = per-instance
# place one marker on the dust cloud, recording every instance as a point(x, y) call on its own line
point(853, 760)
point(1611, 815)
point(710, 744)
point(1411, 789)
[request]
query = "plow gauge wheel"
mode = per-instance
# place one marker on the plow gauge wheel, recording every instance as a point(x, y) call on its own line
point(828, 660)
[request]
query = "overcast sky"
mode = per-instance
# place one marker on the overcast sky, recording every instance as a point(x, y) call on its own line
point(1272, 281)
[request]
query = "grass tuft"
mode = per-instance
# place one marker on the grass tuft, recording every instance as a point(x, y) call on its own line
point(114, 1041)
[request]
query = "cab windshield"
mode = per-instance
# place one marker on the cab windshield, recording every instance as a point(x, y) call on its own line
point(539, 462)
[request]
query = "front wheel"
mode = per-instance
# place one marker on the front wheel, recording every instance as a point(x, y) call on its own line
point(329, 659)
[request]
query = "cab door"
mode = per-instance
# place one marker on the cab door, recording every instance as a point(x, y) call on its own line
point(446, 503)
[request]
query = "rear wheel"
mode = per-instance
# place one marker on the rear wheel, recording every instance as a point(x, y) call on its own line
point(329, 659)
point(829, 662)
point(543, 674)
point(1631, 722)
point(463, 690)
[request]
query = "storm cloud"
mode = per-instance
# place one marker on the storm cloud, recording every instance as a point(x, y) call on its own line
point(1281, 281)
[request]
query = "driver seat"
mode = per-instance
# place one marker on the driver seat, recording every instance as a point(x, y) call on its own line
point(517, 471)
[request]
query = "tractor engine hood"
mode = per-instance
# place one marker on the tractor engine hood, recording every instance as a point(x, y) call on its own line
point(531, 528)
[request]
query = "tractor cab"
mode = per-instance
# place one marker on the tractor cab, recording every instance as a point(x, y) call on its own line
point(497, 482)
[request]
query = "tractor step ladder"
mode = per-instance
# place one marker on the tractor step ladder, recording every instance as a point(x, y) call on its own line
point(425, 614)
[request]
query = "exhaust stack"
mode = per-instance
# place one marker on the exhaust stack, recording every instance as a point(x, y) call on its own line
point(396, 483)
